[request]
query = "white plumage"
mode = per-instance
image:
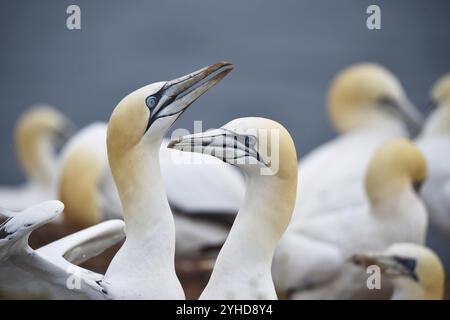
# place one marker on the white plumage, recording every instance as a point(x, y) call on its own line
point(311, 259)
point(50, 272)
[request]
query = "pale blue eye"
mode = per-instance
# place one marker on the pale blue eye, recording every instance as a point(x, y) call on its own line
point(151, 102)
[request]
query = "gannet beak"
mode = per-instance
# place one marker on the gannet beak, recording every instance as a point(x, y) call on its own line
point(412, 117)
point(392, 266)
point(178, 94)
point(222, 143)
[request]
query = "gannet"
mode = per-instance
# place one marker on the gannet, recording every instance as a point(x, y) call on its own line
point(265, 152)
point(87, 189)
point(144, 268)
point(51, 272)
point(434, 142)
point(416, 271)
point(310, 262)
point(368, 106)
point(38, 133)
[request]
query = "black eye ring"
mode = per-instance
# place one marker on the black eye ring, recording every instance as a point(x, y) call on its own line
point(151, 102)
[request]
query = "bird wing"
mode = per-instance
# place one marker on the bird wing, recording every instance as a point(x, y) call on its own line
point(85, 244)
point(16, 229)
point(56, 262)
point(50, 268)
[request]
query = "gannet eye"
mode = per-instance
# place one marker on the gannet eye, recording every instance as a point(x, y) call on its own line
point(151, 102)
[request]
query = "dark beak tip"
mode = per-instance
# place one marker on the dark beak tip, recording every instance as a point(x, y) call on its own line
point(225, 63)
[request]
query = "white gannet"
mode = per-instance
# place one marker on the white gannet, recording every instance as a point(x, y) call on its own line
point(87, 189)
point(310, 262)
point(38, 133)
point(144, 267)
point(434, 142)
point(367, 105)
point(85, 183)
point(49, 272)
point(265, 152)
point(416, 271)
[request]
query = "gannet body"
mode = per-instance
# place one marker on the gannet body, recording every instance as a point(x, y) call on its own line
point(144, 267)
point(393, 212)
point(87, 189)
point(38, 134)
point(416, 271)
point(367, 105)
point(50, 272)
point(434, 142)
point(242, 268)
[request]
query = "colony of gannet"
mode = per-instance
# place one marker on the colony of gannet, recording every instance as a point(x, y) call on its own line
point(357, 202)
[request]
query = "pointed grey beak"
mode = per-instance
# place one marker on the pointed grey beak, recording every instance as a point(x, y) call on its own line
point(178, 94)
point(221, 143)
point(392, 266)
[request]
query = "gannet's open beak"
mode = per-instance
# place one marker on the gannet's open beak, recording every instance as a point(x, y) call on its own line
point(222, 143)
point(178, 94)
point(392, 266)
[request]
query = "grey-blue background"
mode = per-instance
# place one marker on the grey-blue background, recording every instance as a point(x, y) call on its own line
point(285, 53)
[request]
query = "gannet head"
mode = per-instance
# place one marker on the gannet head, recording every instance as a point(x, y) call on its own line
point(22, 223)
point(146, 114)
point(411, 266)
point(438, 123)
point(396, 165)
point(41, 127)
point(256, 145)
point(367, 95)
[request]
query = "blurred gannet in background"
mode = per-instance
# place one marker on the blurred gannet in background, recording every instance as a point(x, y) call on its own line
point(49, 272)
point(311, 260)
point(367, 105)
point(214, 191)
point(434, 142)
point(38, 133)
point(243, 266)
point(416, 271)
point(144, 266)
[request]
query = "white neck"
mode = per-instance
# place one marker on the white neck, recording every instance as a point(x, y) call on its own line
point(405, 206)
point(144, 266)
point(244, 263)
